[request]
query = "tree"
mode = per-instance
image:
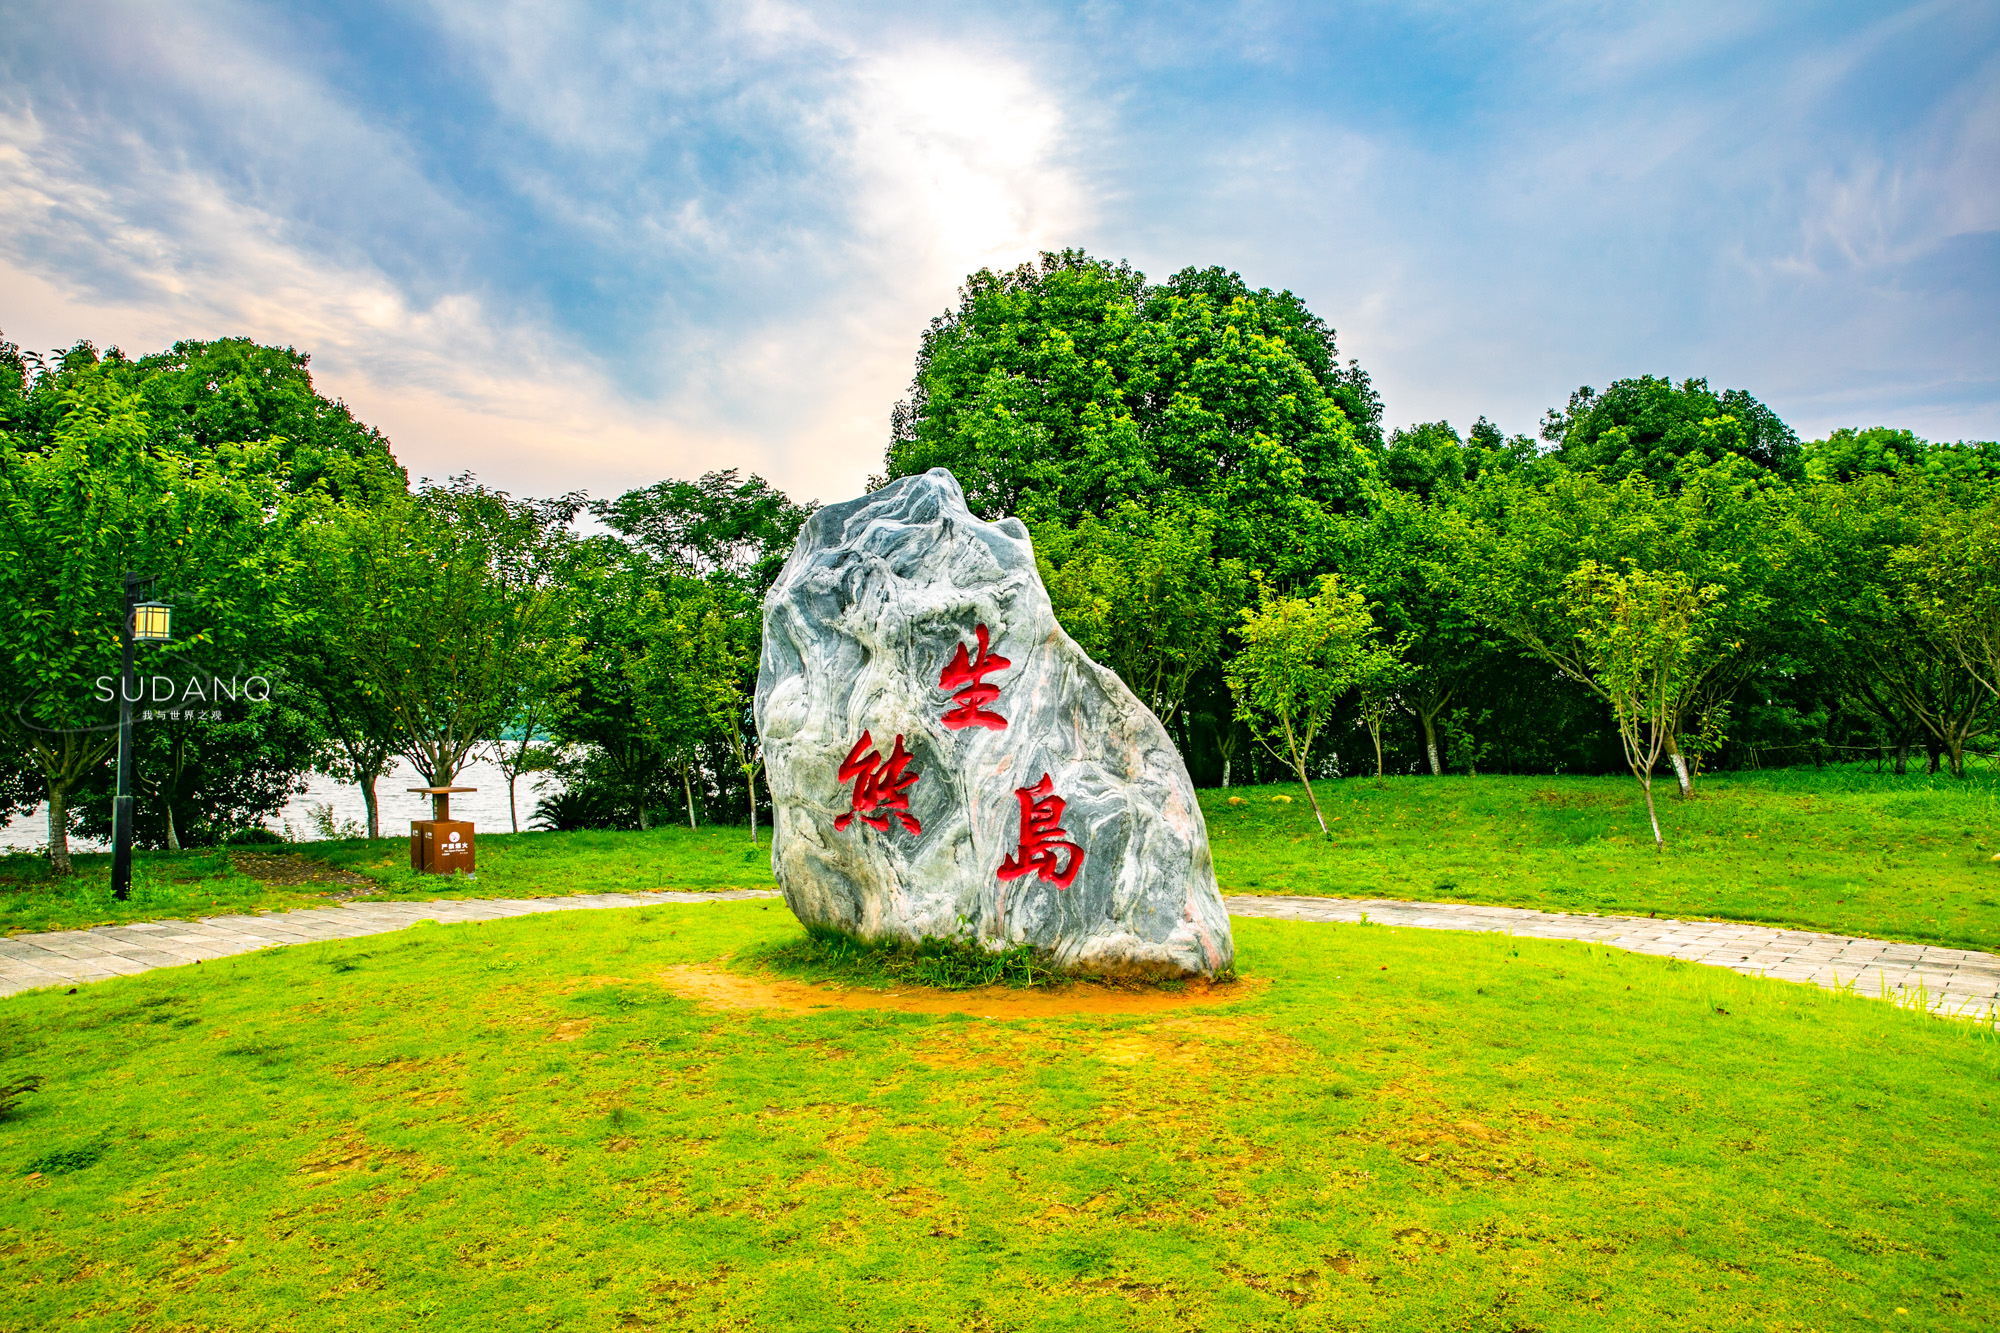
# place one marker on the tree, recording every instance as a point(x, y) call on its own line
point(1955, 571)
point(1142, 592)
point(1383, 677)
point(199, 778)
point(688, 683)
point(1406, 556)
point(1299, 656)
point(734, 532)
point(1875, 597)
point(1643, 637)
point(1650, 427)
point(81, 506)
point(455, 608)
point(1065, 388)
point(1724, 524)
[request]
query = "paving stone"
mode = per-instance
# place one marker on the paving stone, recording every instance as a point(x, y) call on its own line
point(1952, 980)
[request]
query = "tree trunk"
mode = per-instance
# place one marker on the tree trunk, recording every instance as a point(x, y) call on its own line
point(645, 816)
point(1659, 843)
point(1225, 772)
point(173, 834)
point(687, 784)
point(1299, 766)
point(1955, 756)
point(1375, 734)
point(1431, 746)
point(1902, 758)
point(513, 815)
point(1935, 751)
point(1679, 761)
point(59, 830)
point(368, 803)
point(751, 775)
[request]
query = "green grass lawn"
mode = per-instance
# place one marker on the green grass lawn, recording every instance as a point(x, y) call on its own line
point(513, 1126)
point(511, 865)
point(1840, 849)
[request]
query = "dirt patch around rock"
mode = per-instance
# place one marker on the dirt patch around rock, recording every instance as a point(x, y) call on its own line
point(290, 870)
point(711, 986)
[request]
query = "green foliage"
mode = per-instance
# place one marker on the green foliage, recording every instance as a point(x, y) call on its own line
point(1064, 388)
point(451, 608)
point(515, 1125)
point(1299, 656)
point(1652, 427)
point(1646, 639)
point(90, 500)
point(1142, 592)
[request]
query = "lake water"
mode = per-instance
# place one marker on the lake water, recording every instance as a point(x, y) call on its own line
point(486, 808)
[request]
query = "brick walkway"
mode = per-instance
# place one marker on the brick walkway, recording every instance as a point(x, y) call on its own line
point(1954, 980)
point(66, 957)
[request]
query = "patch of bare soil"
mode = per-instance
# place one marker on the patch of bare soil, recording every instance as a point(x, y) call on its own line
point(290, 870)
point(710, 985)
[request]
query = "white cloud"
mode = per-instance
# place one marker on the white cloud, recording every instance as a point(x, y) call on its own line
point(943, 162)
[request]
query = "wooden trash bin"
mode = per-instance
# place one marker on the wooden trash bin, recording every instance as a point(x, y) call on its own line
point(440, 845)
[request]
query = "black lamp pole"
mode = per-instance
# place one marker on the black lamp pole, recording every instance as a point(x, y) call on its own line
point(121, 809)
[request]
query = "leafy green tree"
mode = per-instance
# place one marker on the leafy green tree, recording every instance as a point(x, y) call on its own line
point(1849, 453)
point(1648, 426)
point(1142, 592)
point(82, 506)
point(200, 779)
point(734, 532)
point(1406, 555)
point(688, 681)
point(605, 712)
point(1383, 677)
point(1430, 461)
point(1954, 571)
point(1300, 655)
point(1065, 388)
point(1725, 524)
point(1644, 638)
point(456, 611)
point(199, 396)
point(1874, 595)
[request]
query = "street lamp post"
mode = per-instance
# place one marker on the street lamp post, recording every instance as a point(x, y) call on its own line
point(150, 621)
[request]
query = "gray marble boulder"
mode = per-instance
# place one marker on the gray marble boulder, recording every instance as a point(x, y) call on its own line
point(944, 761)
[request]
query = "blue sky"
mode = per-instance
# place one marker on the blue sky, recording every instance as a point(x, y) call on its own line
point(593, 245)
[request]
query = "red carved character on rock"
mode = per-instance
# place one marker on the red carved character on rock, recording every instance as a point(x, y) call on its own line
point(966, 676)
point(1041, 839)
point(879, 787)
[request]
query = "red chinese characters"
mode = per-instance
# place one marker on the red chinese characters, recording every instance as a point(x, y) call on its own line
point(881, 790)
point(965, 675)
point(1042, 841)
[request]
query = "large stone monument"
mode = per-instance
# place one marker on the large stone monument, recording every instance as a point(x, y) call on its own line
point(944, 761)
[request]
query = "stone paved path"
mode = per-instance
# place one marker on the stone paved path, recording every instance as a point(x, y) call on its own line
point(1954, 980)
point(66, 957)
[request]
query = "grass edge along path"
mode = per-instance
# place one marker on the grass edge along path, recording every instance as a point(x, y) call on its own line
point(512, 1125)
point(1947, 982)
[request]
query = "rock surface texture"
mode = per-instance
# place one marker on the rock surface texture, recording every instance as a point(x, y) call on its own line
point(944, 761)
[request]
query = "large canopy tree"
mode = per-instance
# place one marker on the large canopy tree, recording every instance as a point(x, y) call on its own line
point(1650, 425)
point(81, 506)
point(1068, 387)
point(450, 608)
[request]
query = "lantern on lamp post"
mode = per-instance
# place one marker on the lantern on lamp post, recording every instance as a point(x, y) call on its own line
point(145, 622)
